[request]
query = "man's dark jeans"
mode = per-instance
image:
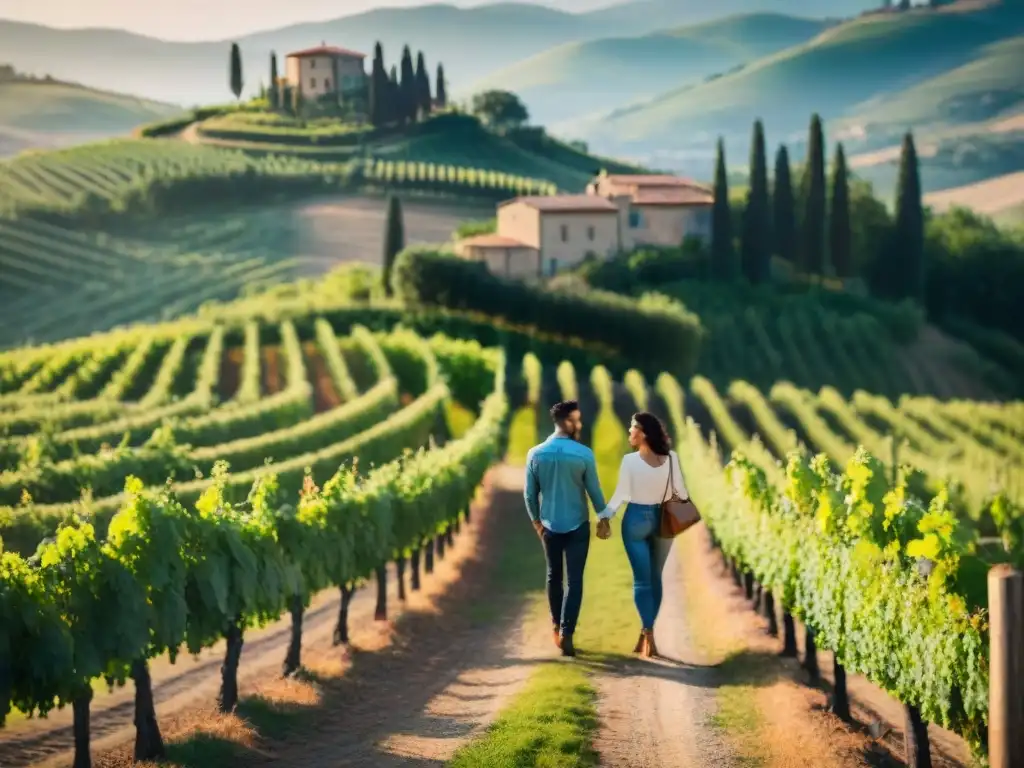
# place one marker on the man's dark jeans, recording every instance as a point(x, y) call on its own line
point(571, 550)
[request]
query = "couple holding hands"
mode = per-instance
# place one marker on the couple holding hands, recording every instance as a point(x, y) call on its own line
point(561, 473)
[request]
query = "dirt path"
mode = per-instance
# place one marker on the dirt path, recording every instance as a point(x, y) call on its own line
point(659, 713)
point(190, 134)
point(437, 679)
point(230, 373)
point(325, 396)
point(272, 381)
point(445, 675)
point(334, 231)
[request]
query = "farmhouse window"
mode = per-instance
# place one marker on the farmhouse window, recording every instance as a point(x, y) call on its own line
point(327, 83)
point(635, 219)
point(590, 234)
point(312, 82)
point(565, 233)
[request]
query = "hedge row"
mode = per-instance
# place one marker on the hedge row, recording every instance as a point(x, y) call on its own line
point(654, 334)
point(227, 129)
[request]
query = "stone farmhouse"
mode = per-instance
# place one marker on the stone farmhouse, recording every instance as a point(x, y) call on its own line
point(538, 236)
point(326, 71)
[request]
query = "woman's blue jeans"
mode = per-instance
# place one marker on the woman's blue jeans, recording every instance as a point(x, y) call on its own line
point(639, 535)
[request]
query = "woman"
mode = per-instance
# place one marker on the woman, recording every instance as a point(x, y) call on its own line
point(647, 477)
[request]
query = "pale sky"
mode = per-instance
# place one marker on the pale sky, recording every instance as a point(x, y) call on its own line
point(212, 19)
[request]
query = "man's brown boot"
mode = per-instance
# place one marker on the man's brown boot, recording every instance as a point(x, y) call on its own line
point(568, 649)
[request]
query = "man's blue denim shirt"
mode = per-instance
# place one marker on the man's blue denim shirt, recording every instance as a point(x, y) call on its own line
point(560, 474)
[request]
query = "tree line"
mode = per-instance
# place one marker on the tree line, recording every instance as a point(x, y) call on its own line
point(403, 95)
point(810, 227)
point(399, 96)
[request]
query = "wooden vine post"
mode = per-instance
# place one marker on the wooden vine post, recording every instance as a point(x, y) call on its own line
point(1006, 667)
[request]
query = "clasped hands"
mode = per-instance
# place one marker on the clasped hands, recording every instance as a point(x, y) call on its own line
point(604, 528)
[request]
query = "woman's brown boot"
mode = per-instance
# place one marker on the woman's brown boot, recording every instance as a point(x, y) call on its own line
point(650, 650)
point(639, 643)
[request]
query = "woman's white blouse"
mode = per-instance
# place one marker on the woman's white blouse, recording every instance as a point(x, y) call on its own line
point(641, 483)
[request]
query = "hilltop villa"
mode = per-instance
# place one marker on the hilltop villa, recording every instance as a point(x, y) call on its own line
point(324, 70)
point(537, 236)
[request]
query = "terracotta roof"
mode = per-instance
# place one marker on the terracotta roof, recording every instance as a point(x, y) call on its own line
point(493, 241)
point(673, 196)
point(649, 180)
point(326, 50)
point(567, 204)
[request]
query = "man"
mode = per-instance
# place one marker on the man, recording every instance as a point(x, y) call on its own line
point(560, 474)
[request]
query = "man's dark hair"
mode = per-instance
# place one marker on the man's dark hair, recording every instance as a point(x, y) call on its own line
point(562, 411)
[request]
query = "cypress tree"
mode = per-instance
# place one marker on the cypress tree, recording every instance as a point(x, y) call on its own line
point(839, 230)
point(379, 89)
point(423, 88)
point(440, 90)
point(408, 86)
point(784, 229)
point(394, 241)
point(812, 240)
point(273, 93)
point(722, 251)
point(757, 220)
point(423, 97)
point(907, 255)
point(394, 102)
point(236, 71)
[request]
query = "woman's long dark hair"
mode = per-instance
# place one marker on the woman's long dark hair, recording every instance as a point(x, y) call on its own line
point(654, 432)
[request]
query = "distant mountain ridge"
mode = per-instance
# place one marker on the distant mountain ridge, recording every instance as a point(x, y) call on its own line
point(857, 63)
point(472, 42)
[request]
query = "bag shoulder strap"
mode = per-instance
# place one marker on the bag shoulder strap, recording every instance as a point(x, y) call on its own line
point(682, 476)
point(669, 482)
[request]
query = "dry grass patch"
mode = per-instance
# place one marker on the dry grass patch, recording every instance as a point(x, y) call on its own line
point(988, 197)
point(200, 736)
point(771, 718)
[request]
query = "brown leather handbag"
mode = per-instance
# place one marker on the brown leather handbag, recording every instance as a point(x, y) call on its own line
point(677, 515)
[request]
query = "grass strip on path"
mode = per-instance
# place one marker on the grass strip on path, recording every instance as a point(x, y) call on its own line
point(552, 722)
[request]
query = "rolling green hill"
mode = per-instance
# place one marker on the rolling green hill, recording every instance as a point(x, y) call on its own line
point(594, 76)
point(989, 87)
point(840, 69)
point(446, 139)
point(43, 114)
point(65, 107)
